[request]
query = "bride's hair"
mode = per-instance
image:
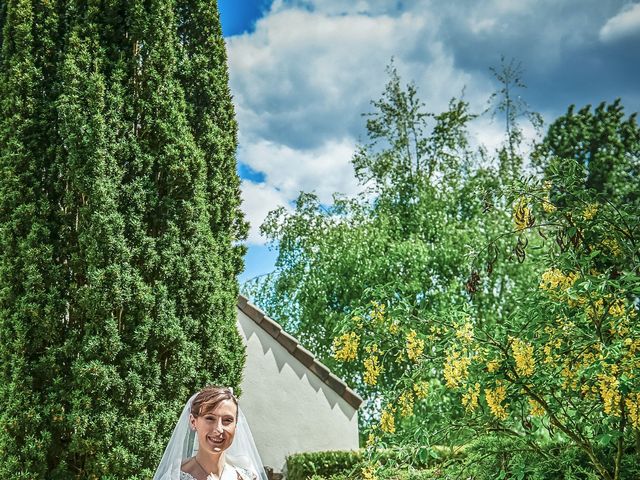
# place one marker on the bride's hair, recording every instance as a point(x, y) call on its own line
point(208, 399)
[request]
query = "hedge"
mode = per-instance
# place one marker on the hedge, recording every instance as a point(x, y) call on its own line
point(488, 458)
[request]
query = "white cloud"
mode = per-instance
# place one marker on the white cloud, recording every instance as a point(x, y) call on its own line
point(304, 77)
point(258, 199)
point(301, 81)
point(341, 7)
point(625, 24)
point(487, 132)
point(309, 69)
point(323, 170)
point(287, 171)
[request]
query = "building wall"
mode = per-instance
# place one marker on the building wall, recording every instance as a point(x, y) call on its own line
point(289, 409)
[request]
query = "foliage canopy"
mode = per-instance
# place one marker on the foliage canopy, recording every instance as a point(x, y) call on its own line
point(405, 239)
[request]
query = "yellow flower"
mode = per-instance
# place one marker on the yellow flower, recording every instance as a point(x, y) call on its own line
point(372, 348)
point(372, 370)
point(620, 329)
point(596, 310)
point(586, 360)
point(569, 377)
point(609, 393)
point(549, 357)
point(369, 473)
point(554, 279)
point(535, 408)
point(493, 366)
point(406, 404)
point(394, 328)
point(632, 402)
point(495, 397)
point(548, 206)
point(465, 332)
point(523, 356)
point(421, 389)
point(371, 440)
point(590, 211)
point(522, 215)
point(546, 202)
point(633, 345)
point(588, 390)
point(387, 420)
point(377, 313)
point(456, 368)
point(612, 245)
point(470, 398)
point(617, 309)
point(415, 346)
point(345, 347)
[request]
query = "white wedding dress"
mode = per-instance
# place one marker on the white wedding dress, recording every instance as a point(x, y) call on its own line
point(229, 473)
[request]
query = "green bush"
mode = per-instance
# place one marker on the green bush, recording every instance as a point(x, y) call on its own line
point(302, 466)
point(492, 457)
point(488, 458)
point(394, 461)
point(389, 474)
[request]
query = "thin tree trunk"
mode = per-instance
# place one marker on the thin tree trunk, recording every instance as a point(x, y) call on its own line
point(620, 450)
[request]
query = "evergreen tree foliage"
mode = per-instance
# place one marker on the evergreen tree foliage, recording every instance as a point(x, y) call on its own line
point(119, 223)
point(604, 143)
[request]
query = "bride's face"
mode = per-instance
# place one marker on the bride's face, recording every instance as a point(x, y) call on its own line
point(216, 428)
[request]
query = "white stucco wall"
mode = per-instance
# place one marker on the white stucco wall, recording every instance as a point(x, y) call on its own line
point(289, 409)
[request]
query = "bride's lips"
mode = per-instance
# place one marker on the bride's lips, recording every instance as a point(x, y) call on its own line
point(216, 441)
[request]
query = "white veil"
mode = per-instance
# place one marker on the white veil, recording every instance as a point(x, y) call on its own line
point(184, 444)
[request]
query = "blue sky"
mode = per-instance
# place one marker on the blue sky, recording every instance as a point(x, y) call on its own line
point(303, 71)
point(239, 16)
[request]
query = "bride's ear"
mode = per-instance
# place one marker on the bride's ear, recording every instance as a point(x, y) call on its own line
point(192, 422)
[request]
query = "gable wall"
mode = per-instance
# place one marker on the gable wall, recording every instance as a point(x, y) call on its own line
point(289, 409)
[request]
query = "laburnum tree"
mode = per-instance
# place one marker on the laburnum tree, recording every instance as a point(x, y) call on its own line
point(561, 368)
point(119, 230)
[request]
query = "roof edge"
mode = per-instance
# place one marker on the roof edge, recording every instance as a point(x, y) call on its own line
point(292, 345)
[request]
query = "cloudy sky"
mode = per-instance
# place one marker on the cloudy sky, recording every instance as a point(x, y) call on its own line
point(303, 71)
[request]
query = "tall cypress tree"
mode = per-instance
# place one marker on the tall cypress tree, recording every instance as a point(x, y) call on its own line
point(119, 223)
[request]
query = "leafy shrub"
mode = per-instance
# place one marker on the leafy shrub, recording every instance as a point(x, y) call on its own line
point(494, 457)
point(406, 463)
point(489, 457)
point(497, 457)
point(302, 466)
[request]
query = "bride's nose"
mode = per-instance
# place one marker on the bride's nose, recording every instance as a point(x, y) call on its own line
point(219, 428)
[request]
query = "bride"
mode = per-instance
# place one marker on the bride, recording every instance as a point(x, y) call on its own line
point(211, 441)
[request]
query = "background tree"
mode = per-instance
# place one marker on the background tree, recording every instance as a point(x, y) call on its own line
point(405, 240)
point(603, 142)
point(119, 222)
